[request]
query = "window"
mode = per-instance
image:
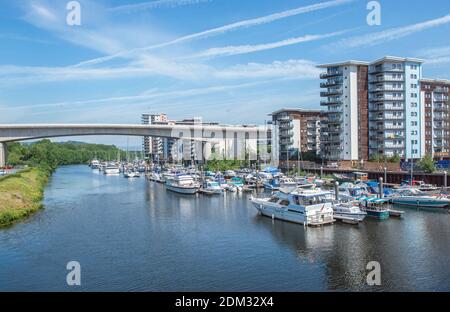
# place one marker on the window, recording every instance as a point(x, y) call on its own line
point(413, 114)
point(414, 123)
point(284, 202)
point(413, 104)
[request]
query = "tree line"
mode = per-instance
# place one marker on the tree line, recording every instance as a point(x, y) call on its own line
point(50, 155)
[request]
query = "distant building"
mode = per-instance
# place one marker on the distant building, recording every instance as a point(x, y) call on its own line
point(298, 131)
point(153, 147)
point(435, 96)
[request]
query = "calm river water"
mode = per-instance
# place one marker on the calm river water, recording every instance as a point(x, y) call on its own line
point(133, 235)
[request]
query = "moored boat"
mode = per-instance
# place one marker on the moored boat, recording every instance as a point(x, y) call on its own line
point(183, 184)
point(417, 198)
point(308, 207)
point(375, 207)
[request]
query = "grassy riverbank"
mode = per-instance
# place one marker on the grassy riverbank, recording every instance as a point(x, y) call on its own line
point(21, 194)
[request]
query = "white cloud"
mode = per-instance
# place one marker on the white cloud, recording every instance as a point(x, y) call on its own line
point(300, 69)
point(147, 95)
point(244, 49)
point(138, 7)
point(392, 34)
point(223, 29)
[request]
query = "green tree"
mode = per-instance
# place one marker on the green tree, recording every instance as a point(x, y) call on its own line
point(427, 164)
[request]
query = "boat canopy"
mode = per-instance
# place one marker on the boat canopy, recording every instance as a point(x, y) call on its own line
point(373, 200)
point(271, 170)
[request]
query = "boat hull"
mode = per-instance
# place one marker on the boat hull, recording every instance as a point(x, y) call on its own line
point(428, 203)
point(356, 216)
point(381, 215)
point(182, 190)
point(287, 215)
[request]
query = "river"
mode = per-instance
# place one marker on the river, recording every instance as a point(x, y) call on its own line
point(133, 235)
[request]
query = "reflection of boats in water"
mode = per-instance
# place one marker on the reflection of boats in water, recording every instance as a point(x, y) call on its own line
point(308, 207)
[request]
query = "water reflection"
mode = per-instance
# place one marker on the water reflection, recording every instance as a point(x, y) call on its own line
point(130, 234)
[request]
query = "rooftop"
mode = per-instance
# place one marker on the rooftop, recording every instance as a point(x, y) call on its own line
point(383, 59)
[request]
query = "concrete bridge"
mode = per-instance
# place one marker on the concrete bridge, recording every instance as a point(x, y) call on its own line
point(22, 132)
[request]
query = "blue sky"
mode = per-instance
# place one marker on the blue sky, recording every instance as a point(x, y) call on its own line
point(232, 61)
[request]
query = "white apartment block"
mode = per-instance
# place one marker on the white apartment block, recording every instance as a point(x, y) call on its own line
point(373, 108)
point(396, 114)
point(344, 131)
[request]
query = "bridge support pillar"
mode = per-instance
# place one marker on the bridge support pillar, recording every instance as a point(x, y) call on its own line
point(3, 154)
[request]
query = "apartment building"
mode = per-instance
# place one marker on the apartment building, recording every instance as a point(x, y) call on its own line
point(153, 146)
point(396, 114)
point(345, 128)
point(298, 130)
point(373, 108)
point(435, 96)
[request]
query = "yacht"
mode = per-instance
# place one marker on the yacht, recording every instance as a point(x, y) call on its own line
point(212, 187)
point(112, 169)
point(95, 164)
point(287, 183)
point(308, 207)
point(183, 184)
point(131, 174)
point(415, 197)
point(348, 211)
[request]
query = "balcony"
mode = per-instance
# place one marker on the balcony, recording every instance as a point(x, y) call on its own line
point(286, 134)
point(331, 102)
point(441, 108)
point(330, 83)
point(377, 108)
point(286, 142)
point(392, 117)
point(440, 90)
point(330, 74)
point(333, 121)
point(386, 98)
point(385, 88)
point(331, 92)
point(373, 70)
point(385, 78)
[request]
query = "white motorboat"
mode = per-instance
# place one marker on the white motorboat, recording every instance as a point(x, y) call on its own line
point(212, 187)
point(95, 164)
point(415, 197)
point(111, 169)
point(287, 183)
point(183, 184)
point(308, 207)
point(348, 211)
point(131, 174)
